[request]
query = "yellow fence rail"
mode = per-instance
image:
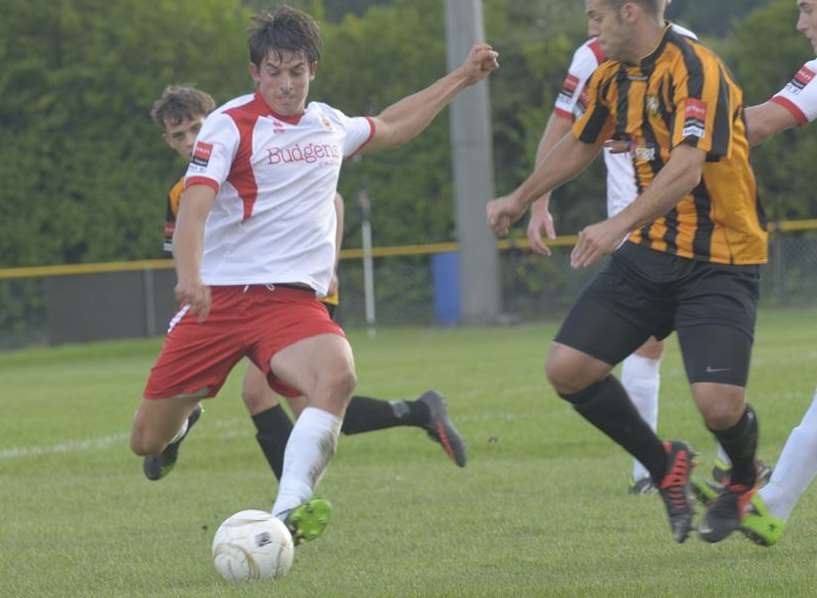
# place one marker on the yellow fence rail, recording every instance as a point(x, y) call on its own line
point(391, 251)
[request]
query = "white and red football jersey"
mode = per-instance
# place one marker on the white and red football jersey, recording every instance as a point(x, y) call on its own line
point(273, 220)
point(800, 94)
point(621, 185)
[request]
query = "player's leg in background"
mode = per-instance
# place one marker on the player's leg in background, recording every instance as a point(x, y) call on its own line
point(322, 367)
point(641, 378)
point(272, 423)
point(428, 412)
point(793, 474)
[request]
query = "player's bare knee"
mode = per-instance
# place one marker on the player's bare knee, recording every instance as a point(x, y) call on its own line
point(722, 414)
point(143, 445)
point(337, 385)
point(562, 374)
point(257, 401)
point(651, 349)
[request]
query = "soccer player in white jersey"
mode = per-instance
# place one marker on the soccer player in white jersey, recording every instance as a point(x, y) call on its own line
point(771, 507)
point(180, 114)
point(254, 247)
point(640, 374)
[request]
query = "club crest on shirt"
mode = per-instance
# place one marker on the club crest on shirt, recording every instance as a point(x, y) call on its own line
point(643, 153)
point(695, 118)
point(652, 105)
point(801, 79)
point(325, 122)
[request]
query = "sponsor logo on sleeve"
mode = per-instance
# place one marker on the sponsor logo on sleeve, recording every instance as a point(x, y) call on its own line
point(568, 90)
point(801, 79)
point(695, 118)
point(201, 154)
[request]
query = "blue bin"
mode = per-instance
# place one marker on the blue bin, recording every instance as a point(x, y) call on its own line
point(445, 273)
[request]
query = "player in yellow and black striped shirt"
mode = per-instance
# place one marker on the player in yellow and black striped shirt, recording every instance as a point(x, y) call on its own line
point(180, 112)
point(694, 239)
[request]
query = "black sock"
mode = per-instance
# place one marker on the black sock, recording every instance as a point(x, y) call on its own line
point(607, 406)
point(274, 428)
point(365, 414)
point(740, 443)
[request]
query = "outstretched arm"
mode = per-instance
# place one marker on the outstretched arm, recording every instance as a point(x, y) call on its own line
point(566, 161)
point(197, 201)
point(406, 119)
point(768, 119)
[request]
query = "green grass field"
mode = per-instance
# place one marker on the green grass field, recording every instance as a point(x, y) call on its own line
point(540, 510)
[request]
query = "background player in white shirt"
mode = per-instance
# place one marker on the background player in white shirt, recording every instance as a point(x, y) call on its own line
point(640, 373)
point(254, 245)
point(771, 507)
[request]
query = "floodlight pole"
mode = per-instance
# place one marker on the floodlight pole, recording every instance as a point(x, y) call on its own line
point(480, 298)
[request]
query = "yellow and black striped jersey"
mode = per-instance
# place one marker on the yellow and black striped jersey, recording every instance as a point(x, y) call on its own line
point(174, 196)
point(683, 93)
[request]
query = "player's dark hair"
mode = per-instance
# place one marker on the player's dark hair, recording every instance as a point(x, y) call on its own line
point(286, 29)
point(179, 103)
point(652, 6)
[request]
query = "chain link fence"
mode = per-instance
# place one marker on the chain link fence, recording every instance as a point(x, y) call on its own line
point(77, 307)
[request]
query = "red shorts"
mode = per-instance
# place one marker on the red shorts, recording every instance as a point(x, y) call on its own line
point(257, 323)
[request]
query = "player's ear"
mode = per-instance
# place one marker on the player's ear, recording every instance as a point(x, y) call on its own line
point(255, 72)
point(313, 70)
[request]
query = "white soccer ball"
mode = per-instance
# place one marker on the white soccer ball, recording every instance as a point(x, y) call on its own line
point(252, 545)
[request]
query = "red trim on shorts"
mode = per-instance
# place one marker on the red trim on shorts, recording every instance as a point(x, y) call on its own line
point(595, 47)
point(201, 180)
point(563, 114)
point(801, 118)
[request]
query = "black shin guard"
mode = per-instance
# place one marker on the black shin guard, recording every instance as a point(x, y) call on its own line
point(606, 405)
point(274, 428)
point(365, 414)
point(740, 443)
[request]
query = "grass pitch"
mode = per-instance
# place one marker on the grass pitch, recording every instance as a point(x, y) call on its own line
point(540, 510)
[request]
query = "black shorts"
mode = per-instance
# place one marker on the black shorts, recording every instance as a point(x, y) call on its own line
point(643, 293)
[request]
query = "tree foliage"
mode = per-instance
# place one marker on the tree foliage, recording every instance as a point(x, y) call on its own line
point(85, 172)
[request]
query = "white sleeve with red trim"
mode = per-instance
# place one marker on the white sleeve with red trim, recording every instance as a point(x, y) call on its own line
point(357, 131)
point(213, 154)
point(800, 94)
point(585, 61)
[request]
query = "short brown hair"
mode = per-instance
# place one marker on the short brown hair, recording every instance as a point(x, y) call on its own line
point(179, 103)
point(652, 6)
point(286, 29)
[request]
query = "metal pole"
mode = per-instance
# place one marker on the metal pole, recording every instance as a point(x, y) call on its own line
point(480, 298)
point(368, 261)
point(150, 305)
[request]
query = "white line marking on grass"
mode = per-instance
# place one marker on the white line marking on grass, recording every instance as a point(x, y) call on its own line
point(100, 442)
point(70, 446)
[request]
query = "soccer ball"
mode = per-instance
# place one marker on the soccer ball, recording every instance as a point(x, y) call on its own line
point(252, 545)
